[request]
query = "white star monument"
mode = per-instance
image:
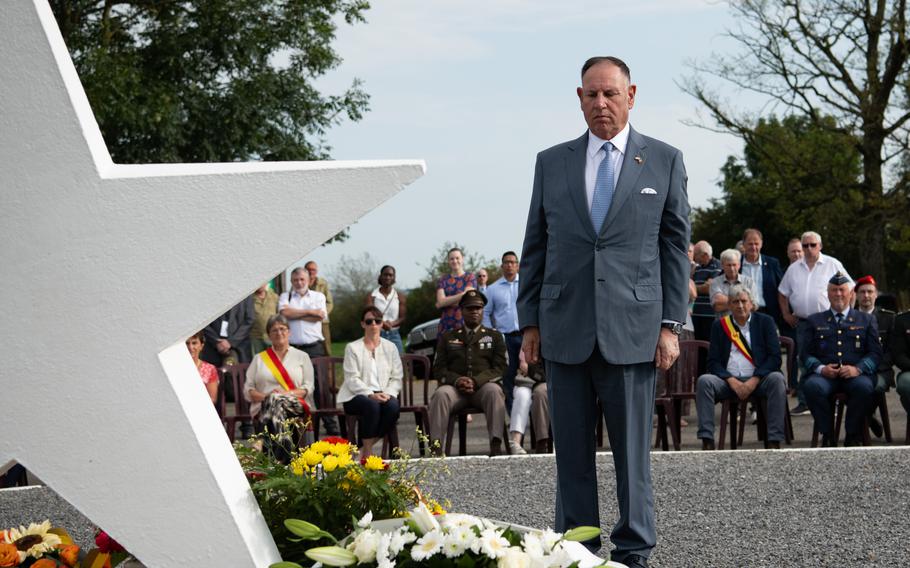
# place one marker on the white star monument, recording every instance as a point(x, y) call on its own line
point(106, 269)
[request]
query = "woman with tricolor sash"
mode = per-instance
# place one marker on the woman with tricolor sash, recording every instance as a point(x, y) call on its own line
point(372, 381)
point(279, 387)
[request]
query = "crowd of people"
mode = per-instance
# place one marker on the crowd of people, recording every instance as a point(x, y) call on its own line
point(741, 303)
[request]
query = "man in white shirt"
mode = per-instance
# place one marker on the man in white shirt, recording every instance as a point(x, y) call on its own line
point(805, 288)
point(720, 286)
point(305, 310)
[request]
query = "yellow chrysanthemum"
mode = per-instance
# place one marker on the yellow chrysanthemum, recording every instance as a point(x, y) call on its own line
point(35, 540)
point(435, 507)
point(374, 463)
point(340, 449)
point(344, 460)
point(311, 457)
point(329, 463)
point(299, 466)
point(353, 475)
point(321, 447)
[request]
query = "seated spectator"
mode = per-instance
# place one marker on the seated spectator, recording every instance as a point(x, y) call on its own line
point(207, 371)
point(900, 353)
point(840, 352)
point(707, 268)
point(469, 364)
point(392, 304)
point(866, 296)
point(279, 386)
point(743, 361)
point(529, 399)
point(720, 286)
point(372, 381)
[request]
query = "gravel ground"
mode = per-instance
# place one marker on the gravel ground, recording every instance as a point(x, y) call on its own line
point(841, 507)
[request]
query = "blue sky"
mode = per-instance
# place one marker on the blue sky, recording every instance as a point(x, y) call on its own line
point(477, 88)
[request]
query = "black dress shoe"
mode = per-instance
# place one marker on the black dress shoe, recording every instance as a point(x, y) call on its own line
point(828, 441)
point(853, 441)
point(707, 444)
point(495, 447)
point(772, 445)
point(876, 427)
point(635, 561)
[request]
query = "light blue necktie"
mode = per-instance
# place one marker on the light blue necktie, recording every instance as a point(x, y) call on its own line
point(603, 189)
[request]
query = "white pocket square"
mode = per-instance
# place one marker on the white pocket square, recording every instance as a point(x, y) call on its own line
point(648, 191)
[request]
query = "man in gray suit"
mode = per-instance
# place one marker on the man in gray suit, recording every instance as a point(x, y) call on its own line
point(603, 292)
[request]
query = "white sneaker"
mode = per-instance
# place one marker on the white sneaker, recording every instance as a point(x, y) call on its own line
point(516, 448)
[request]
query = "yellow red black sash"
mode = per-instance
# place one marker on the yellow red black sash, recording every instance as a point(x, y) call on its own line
point(276, 367)
point(730, 328)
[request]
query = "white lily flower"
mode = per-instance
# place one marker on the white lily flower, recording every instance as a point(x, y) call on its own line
point(423, 519)
point(366, 520)
point(365, 545)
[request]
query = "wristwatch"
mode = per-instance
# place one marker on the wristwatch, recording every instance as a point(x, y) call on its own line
point(676, 328)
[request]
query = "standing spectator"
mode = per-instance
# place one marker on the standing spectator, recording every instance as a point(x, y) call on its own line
point(900, 352)
point(744, 360)
point(265, 305)
point(804, 288)
point(372, 381)
point(469, 364)
point(794, 250)
point(501, 314)
point(706, 269)
point(765, 271)
point(449, 290)
point(392, 304)
point(482, 279)
point(227, 339)
point(841, 353)
point(319, 284)
point(720, 286)
point(207, 371)
point(866, 294)
point(305, 309)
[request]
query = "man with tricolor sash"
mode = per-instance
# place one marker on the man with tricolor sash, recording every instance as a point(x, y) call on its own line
point(743, 361)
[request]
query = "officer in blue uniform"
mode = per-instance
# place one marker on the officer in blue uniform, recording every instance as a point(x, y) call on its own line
point(842, 353)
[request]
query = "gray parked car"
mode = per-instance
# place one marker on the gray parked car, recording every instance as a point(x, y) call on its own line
point(422, 339)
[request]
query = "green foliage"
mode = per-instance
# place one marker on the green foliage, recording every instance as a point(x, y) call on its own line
point(352, 280)
point(794, 176)
point(422, 299)
point(206, 81)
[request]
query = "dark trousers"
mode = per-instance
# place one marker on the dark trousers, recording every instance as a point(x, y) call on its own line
point(513, 348)
point(374, 419)
point(819, 391)
point(627, 395)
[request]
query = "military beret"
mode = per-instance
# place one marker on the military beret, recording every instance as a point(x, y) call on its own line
point(472, 298)
point(838, 279)
point(865, 280)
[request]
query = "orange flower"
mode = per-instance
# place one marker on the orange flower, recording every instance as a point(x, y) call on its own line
point(9, 556)
point(45, 563)
point(69, 554)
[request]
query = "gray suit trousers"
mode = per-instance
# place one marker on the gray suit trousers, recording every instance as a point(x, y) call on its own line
point(627, 395)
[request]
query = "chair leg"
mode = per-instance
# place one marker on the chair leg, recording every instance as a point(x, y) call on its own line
point(676, 424)
point(724, 411)
point(886, 419)
point(734, 431)
point(743, 409)
point(450, 433)
point(463, 434)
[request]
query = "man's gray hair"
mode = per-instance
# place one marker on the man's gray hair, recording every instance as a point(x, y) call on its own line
point(810, 234)
point(705, 247)
point(300, 269)
point(730, 254)
point(736, 290)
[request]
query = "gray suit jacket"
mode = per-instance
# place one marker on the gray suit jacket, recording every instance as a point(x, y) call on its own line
point(617, 286)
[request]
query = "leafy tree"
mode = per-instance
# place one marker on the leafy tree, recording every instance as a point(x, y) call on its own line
point(846, 59)
point(804, 181)
point(352, 280)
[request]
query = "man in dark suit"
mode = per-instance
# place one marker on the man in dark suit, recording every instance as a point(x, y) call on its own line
point(841, 353)
point(604, 268)
point(743, 360)
point(765, 271)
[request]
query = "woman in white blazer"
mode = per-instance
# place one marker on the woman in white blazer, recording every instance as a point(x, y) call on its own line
point(372, 381)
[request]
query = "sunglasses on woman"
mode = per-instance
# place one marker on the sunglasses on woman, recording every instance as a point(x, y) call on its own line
point(372, 321)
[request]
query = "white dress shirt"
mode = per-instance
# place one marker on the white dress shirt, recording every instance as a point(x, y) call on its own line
point(807, 290)
point(304, 332)
point(738, 365)
point(596, 154)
